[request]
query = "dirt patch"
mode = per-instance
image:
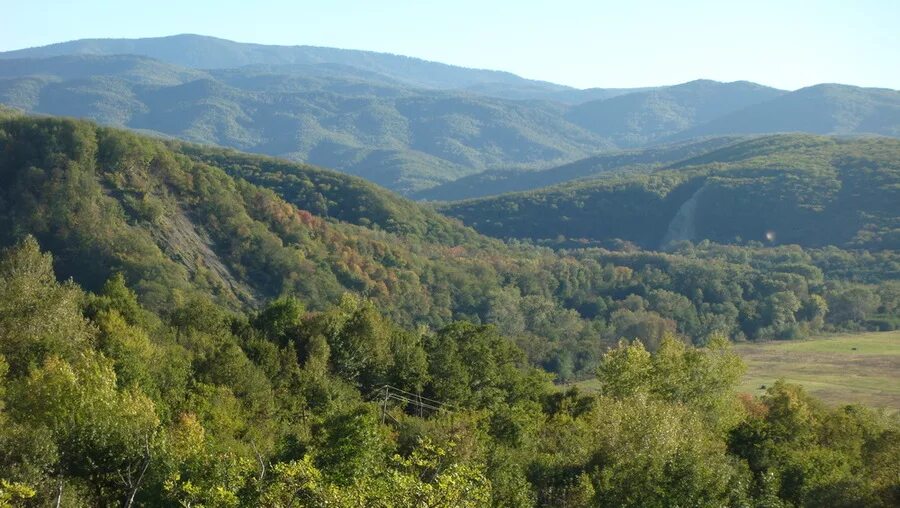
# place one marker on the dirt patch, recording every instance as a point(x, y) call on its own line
point(190, 246)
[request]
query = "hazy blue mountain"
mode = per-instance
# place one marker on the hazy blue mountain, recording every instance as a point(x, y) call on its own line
point(401, 137)
point(636, 119)
point(575, 96)
point(203, 52)
point(569, 96)
point(617, 162)
point(820, 109)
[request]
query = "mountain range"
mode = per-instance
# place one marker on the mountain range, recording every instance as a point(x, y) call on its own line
point(788, 188)
point(404, 123)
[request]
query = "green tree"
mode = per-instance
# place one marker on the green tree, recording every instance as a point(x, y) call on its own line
point(38, 316)
point(853, 304)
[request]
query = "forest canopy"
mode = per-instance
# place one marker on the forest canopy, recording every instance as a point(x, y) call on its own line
point(103, 401)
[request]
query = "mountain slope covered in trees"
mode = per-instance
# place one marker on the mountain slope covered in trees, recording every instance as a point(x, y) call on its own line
point(237, 330)
point(202, 52)
point(820, 109)
point(786, 189)
point(397, 136)
point(182, 220)
point(403, 123)
point(493, 182)
point(640, 118)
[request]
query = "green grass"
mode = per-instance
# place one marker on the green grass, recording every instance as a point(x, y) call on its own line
point(841, 369)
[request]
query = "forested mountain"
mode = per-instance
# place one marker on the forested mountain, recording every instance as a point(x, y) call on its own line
point(202, 52)
point(783, 189)
point(259, 332)
point(195, 312)
point(393, 135)
point(615, 162)
point(181, 221)
point(820, 109)
point(637, 119)
point(237, 330)
point(404, 123)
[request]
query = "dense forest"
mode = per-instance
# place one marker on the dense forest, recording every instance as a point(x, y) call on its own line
point(105, 402)
point(181, 221)
point(781, 189)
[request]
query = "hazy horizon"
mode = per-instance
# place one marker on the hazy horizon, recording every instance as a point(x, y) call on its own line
point(581, 44)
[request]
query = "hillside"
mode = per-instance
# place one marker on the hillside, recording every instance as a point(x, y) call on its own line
point(400, 137)
point(640, 118)
point(615, 162)
point(291, 276)
point(107, 402)
point(180, 221)
point(791, 189)
point(820, 109)
point(177, 225)
point(164, 215)
point(203, 52)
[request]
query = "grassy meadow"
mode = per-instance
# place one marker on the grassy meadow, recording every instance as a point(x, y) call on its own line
point(841, 369)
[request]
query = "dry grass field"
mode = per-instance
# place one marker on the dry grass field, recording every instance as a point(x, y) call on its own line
point(840, 369)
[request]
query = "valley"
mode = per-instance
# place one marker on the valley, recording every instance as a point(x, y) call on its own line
point(239, 274)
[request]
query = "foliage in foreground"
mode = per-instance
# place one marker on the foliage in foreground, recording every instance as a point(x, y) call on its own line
point(103, 402)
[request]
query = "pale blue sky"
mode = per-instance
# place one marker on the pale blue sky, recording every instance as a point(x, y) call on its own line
point(788, 44)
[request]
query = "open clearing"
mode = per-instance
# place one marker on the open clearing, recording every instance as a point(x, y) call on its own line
point(841, 369)
point(859, 368)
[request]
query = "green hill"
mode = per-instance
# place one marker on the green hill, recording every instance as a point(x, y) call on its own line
point(797, 189)
point(493, 182)
point(202, 52)
point(820, 109)
point(190, 325)
point(170, 216)
point(400, 137)
point(106, 402)
point(637, 119)
point(180, 220)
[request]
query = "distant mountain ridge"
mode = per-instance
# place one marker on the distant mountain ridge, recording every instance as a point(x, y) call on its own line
point(404, 123)
point(819, 109)
point(204, 52)
point(401, 137)
point(639, 118)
